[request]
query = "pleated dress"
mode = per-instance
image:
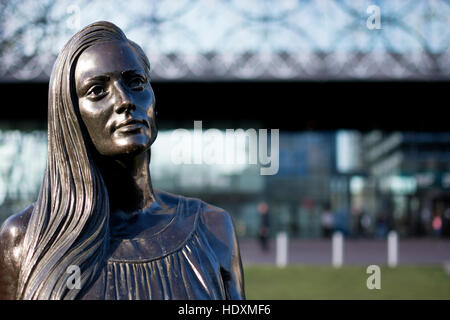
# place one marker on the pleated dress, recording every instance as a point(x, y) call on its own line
point(175, 263)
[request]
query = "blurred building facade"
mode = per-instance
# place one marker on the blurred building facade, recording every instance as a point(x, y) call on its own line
point(409, 175)
point(397, 180)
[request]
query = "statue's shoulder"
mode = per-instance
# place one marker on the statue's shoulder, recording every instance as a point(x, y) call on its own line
point(190, 206)
point(14, 228)
point(218, 225)
point(12, 233)
point(167, 199)
point(216, 220)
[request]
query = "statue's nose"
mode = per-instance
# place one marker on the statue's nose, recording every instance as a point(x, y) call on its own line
point(124, 98)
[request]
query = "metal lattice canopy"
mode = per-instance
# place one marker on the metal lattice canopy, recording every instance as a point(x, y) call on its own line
point(252, 39)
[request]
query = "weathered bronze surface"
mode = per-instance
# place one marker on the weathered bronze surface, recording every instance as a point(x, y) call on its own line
point(97, 210)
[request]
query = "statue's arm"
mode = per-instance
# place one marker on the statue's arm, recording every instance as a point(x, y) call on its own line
point(11, 236)
point(224, 242)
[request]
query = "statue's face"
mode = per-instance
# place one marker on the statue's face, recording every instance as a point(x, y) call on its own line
point(115, 99)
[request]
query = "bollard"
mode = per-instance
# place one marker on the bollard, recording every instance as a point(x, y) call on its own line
point(392, 252)
point(337, 249)
point(282, 249)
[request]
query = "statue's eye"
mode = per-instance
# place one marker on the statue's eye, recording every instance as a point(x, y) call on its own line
point(96, 91)
point(137, 83)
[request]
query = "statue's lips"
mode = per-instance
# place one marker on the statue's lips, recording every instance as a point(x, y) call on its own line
point(131, 125)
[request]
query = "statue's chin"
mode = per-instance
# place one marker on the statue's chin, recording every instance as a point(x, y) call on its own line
point(133, 149)
point(126, 146)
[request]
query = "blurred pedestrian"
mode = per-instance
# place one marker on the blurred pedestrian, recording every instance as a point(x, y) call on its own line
point(366, 222)
point(382, 225)
point(445, 232)
point(264, 227)
point(327, 222)
point(426, 219)
point(436, 224)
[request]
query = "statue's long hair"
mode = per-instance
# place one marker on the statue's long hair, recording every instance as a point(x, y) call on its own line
point(69, 224)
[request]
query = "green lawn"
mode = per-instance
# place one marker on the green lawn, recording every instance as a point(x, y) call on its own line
point(319, 282)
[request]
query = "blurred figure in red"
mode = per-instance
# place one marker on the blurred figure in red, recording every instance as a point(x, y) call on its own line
point(436, 225)
point(263, 233)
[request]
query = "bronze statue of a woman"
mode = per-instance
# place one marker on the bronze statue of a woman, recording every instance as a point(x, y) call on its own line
point(97, 210)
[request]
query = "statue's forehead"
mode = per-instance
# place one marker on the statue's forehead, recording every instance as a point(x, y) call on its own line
point(105, 58)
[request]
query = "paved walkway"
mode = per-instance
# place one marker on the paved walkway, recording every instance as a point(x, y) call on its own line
point(356, 251)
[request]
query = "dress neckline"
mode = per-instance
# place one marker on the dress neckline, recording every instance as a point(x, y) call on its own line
point(151, 231)
point(146, 247)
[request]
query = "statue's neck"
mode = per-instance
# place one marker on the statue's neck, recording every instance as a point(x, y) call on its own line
point(129, 184)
